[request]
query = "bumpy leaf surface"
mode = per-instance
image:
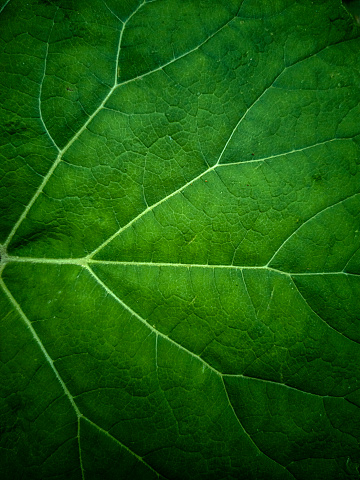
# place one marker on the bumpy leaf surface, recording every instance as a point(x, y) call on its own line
point(180, 259)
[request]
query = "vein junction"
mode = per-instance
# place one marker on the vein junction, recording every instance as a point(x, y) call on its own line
point(87, 262)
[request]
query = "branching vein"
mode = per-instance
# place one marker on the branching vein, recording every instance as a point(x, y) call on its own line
point(318, 316)
point(307, 221)
point(246, 433)
point(142, 320)
point(40, 344)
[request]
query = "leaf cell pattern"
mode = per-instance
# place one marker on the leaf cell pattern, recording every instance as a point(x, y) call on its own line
point(180, 240)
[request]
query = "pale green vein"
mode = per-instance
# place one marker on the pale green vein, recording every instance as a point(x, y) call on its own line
point(147, 210)
point(189, 352)
point(307, 221)
point(318, 316)
point(160, 387)
point(289, 152)
point(79, 446)
point(280, 384)
point(33, 199)
point(49, 405)
point(40, 344)
point(93, 115)
point(175, 192)
point(208, 170)
point(175, 59)
point(142, 320)
point(84, 262)
point(182, 265)
point(246, 433)
point(47, 458)
point(107, 6)
point(105, 432)
point(301, 274)
point(258, 99)
point(57, 375)
point(351, 257)
point(120, 43)
point(55, 261)
point(67, 146)
point(2, 8)
point(42, 81)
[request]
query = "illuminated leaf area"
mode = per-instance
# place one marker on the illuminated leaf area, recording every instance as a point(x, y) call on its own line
point(179, 230)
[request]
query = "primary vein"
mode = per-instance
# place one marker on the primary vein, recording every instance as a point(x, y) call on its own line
point(85, 262)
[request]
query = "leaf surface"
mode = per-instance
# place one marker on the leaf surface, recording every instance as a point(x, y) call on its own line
point(179, 229)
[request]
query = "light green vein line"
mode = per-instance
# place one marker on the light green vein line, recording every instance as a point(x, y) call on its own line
point(295, 274)
point(181, 265)
point(65, 389)
point(350, 259)
point(79, 446)
point(230, 375)
point(107, 6)
point(40, 344)
point(248, 294)
point(121, 445)
point(142, 320)
point(207, 171)
point(67, 146)
point(147, 210)
point(120, 41)
point(91, 117)
point(54, 261)
point(84, 262)
point(243, 116)
point(175, 192)
point(163, 394)
point(2, 8)
point(3, 258)
point(42, 81)
point(307, 221)
point(318, 316)
point(289, 152)
point(246, 433)
point(32, 201)
point(175, 59)
point(51, 171)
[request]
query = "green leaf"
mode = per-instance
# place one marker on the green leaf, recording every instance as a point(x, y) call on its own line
point(180, 246)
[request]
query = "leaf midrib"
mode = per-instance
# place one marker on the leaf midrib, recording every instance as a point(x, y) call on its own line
point(85, 262)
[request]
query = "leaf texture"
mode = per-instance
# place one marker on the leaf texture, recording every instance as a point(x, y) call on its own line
point(179, 230)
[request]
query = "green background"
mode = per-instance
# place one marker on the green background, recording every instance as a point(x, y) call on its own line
point(179, 240)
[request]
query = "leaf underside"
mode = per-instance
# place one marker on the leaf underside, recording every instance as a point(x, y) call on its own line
point(180, 247)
